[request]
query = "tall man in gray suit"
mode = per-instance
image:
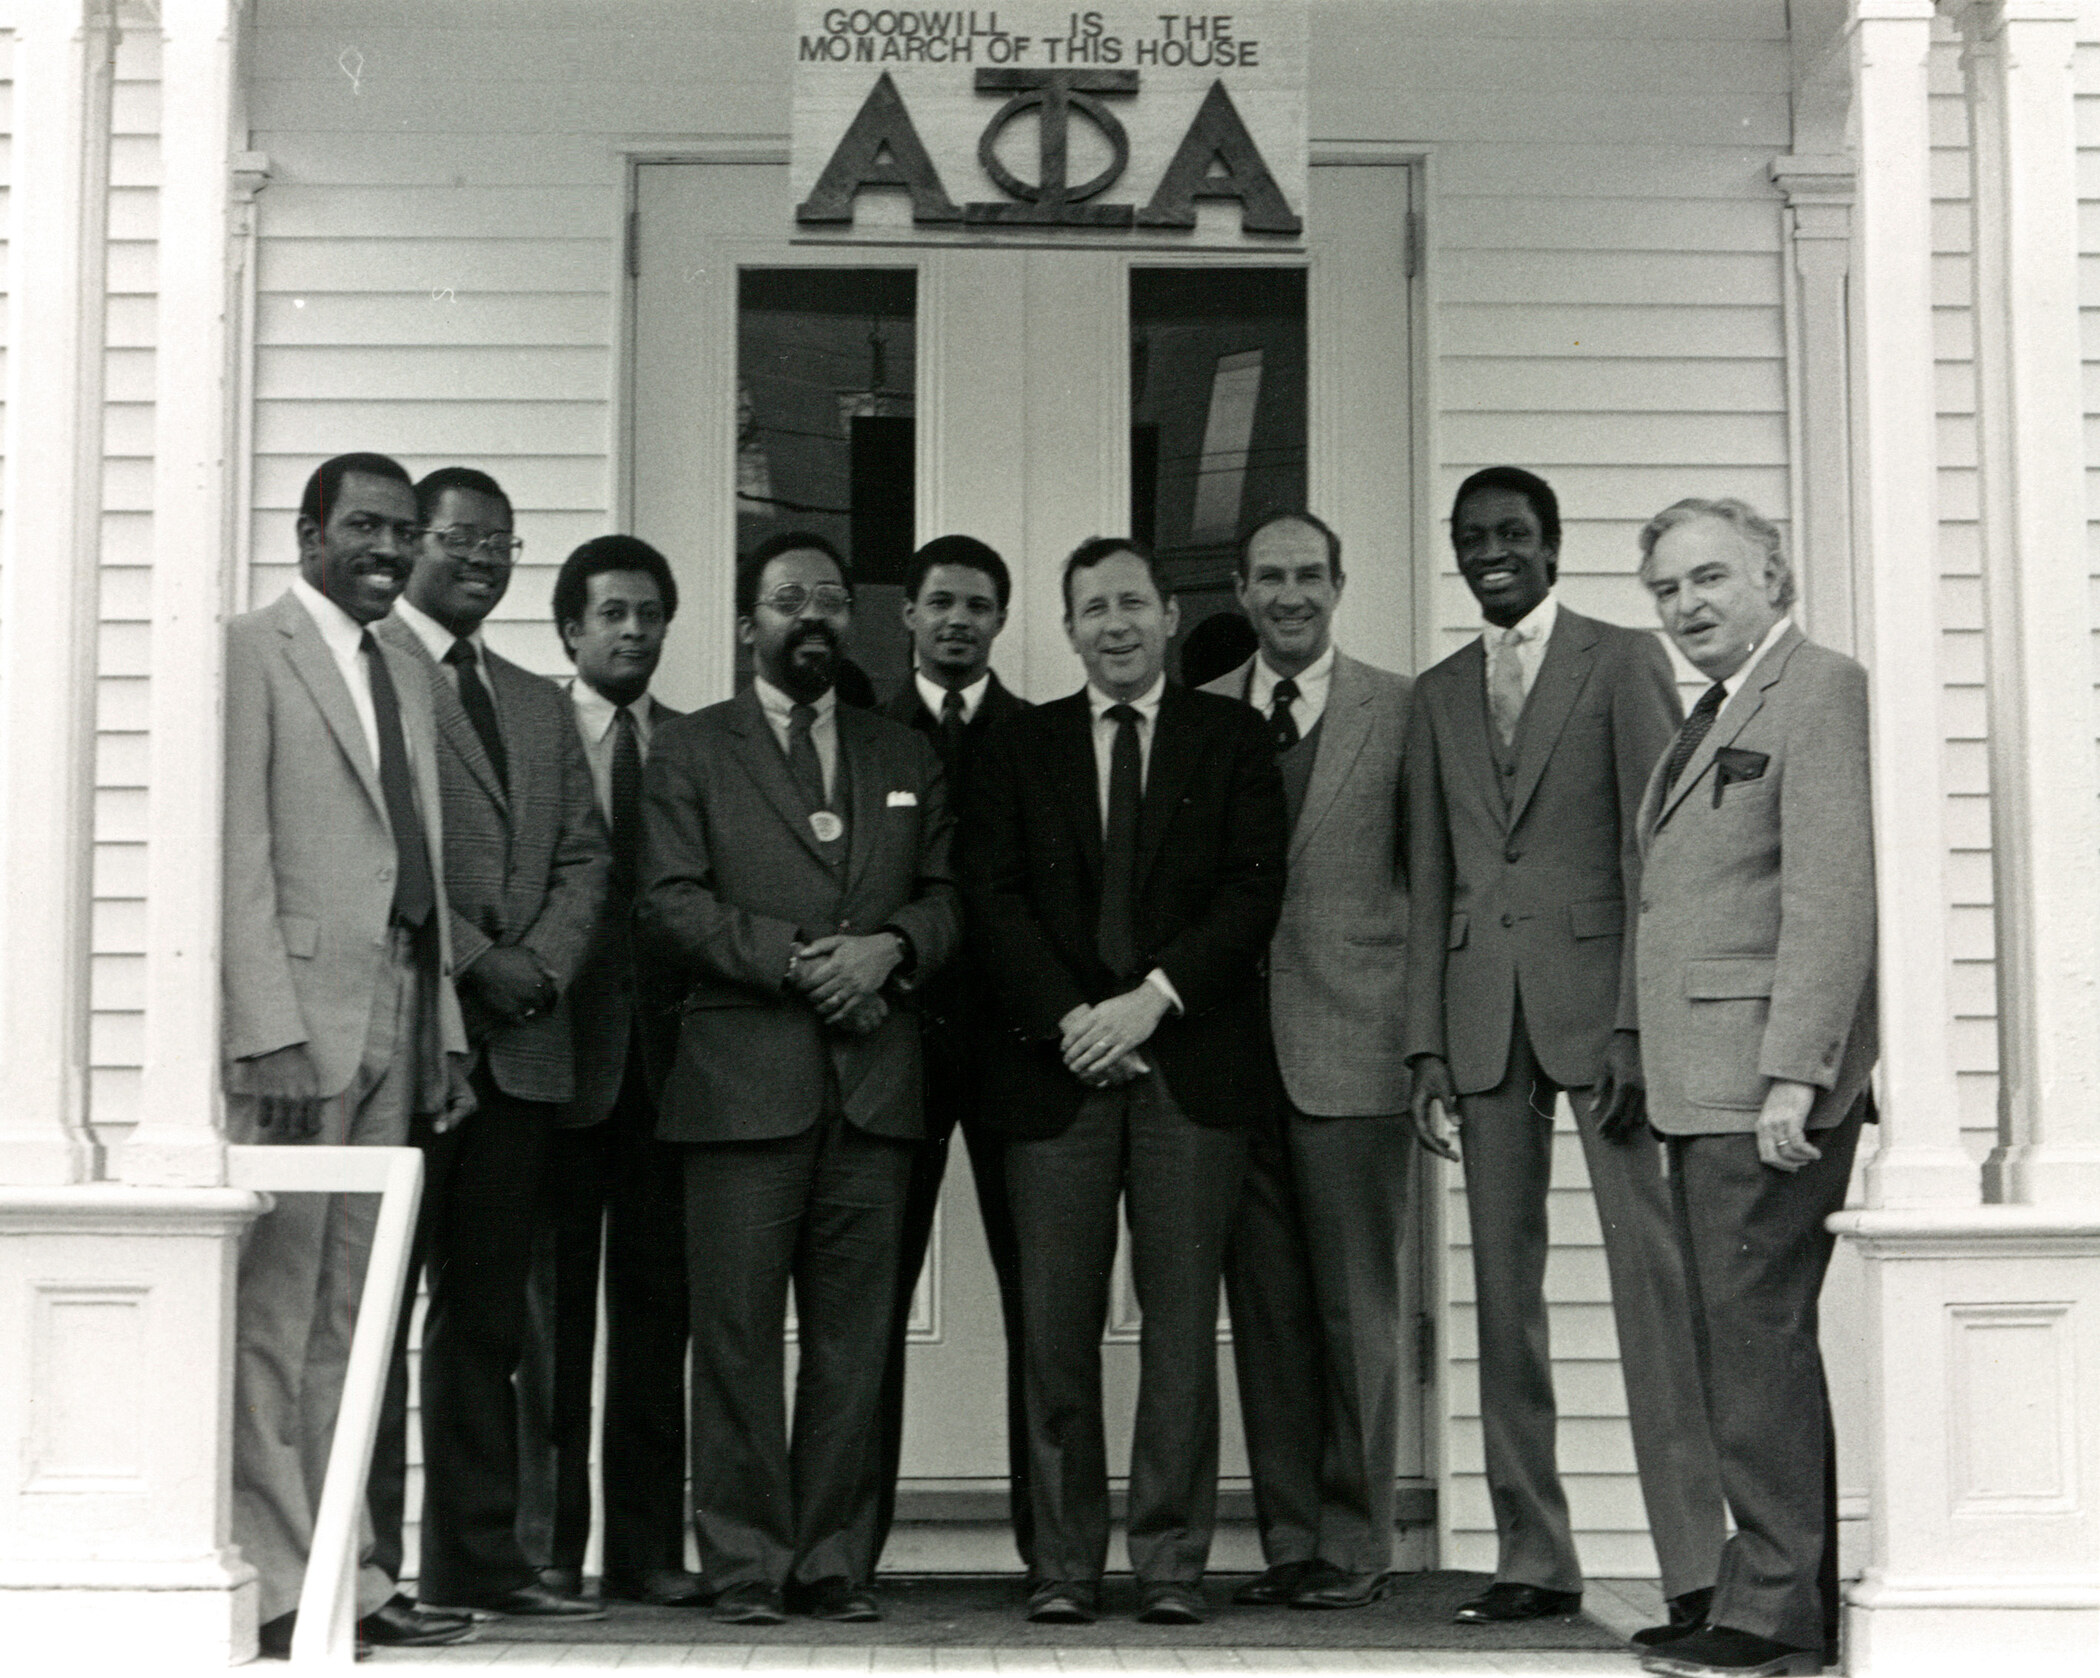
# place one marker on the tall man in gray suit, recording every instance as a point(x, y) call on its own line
point(1755, 978)
point(1526, 757)
point(1313, 1272)
point(525, 868)
point(339, 1023)
point(795, 880)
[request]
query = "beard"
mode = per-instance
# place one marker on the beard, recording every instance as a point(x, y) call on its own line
point(807, 677)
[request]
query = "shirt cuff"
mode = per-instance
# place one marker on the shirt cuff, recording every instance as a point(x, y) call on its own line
point(1159, 981)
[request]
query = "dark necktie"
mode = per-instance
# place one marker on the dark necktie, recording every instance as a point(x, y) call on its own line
point(626, 800)
point(1117, 935)
point(1696, 728)
point(415, 892)
point(803, 762)
point(951, 729)
point(480, 709)
point(1282, 724)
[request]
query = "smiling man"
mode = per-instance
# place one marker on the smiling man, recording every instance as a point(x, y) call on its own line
point(1526, 757)
point(1123, 861)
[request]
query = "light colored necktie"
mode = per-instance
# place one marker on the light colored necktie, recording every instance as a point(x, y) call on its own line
point(1506, 683)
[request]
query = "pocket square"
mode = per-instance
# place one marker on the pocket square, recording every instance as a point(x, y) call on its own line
point(903, 800)
point(1733, 765)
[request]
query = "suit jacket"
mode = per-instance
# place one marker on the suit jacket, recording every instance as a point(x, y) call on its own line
point(525, 866)
point(1530, 890)
point(1756, 951)
point(1337, 965)
point(1211, 840)
point(733, 878)
point(309, 854)
point(604, 1002)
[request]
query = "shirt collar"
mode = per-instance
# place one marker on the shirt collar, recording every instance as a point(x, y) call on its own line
point(1265, 679)
point(340, 632)
point(1146, 703)
point(1732, 685)
point(595, 712)
point(779, 706)
point(1535, 625)
point(931, 693)
point(436, 638)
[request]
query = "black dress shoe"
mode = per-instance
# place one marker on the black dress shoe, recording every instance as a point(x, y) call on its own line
point(836, 1599)
point(1275, 1586)
point(1054, 1603)
point(1171, 1605)
point(1343, 1590)
point(532, 1602)
point(564, 1581)
point(660, 1587)
point(1724, 1652)
point(753, 1603)
point(400, 1624)
point(273, 1638)
point(1687, 1615)
point(1501, 1603)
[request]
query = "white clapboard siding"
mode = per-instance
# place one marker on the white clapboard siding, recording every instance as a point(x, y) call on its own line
point(7, 101)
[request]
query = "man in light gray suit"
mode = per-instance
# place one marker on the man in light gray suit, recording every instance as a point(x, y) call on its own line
point(1755, 979)
point(1313, 1271)
point(339, 1023)
point(1527, 752)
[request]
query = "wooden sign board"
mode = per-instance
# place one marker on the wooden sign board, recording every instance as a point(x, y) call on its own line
point(1120, 125)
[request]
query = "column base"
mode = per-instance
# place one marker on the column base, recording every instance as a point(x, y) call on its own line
point(195, 1618)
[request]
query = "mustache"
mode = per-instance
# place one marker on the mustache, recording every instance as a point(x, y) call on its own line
point(812, 631)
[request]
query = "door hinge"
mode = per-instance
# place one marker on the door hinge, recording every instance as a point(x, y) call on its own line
point(634, 244)
point(1414, 243)
point(1425, 1347)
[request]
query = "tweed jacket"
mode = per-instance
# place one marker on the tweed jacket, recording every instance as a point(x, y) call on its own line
point(1337, 965)
point(1521, 881)
point(309, 856)
point(733, 878)
point(526, 865)
point(1756, 952)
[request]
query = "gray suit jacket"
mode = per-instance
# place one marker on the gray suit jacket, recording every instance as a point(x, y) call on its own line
point(526, 867)
point(1756, 952)
point(1337, 964)
point(732, 879)
point(1530, 890)
point(309, 855)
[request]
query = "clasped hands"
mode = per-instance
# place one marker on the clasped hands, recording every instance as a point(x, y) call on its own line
point(1099, 1040)
point(843, 974)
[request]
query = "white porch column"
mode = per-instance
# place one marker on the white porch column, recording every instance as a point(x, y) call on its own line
point(58, 213)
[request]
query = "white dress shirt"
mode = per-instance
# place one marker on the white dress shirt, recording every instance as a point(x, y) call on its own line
point(343, 636)
point(932, 694)
point(823, 732)
point(594, 722)
point(1313, 681)
point(1731, 685)
point(1534, 629)
point(1147, 707)
point(439, 641)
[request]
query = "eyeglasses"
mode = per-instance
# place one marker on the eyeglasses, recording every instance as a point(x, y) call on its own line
point(459, 540)
point(789, 598)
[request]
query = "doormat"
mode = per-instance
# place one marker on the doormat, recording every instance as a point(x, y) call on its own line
point(980, 1612)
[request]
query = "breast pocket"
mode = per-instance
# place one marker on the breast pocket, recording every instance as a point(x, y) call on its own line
point(1729, 999)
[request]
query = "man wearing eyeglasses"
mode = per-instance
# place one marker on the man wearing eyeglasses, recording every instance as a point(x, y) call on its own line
point(795, 885)
point(526, 861)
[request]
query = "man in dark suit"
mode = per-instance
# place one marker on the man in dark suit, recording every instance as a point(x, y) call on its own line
point(1755, 980)
point(339, 1025)
point(1313, 1273)
point(955, 600)
point(607, 1175)
point(1123, 858)
point(1526, 756)
point(795, 878)
point(525, 867)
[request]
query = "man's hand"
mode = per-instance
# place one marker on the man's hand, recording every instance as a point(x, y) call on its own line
point(1105, 1033)
point(838, 972)
point(460, 1101)
point(860, 1017)
point(509, 983)
point(1782, 1126)
point(1431, 1101)
point(1619, 1103)
point(286, 1089)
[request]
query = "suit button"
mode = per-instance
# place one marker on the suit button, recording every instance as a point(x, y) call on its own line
point(1512, 854)
point(1509, 769)
point(383, 873)
point(1645, 905)
point(1509, 920)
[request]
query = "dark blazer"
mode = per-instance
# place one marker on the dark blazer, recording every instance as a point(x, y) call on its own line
point(732, 878)
point(525, 864)
point(1211, 838)
point(1530, 891)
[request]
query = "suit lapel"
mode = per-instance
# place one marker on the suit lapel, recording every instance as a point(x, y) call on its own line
point(509, 684)
point(1466, 706)
point(1176, 743)
point(766, 764)
point(452, 723)
point(1562, 674)
point(860, 754)
point(1744, 704)
point(1344, 727)
point(1072, 763)
point(316, 667)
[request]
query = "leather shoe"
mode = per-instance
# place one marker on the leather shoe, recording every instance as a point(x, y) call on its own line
point(754, 1603)
point(659, 1587)
point(1687, 1615)
point(399, 1623)
point(1171, 1605)
point(1275, 1586)
point(273, 1638)
point(1724, 1652)
point(835, 1599)
point(1504, 1602)
point(1343, 1590)
point(1055, 1603)
point(564, 1581)
point(533, 1602)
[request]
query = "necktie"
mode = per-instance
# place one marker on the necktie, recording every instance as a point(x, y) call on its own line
point(1506, 683)
point(1282, 725)
point(951, 728)
point(626, 800)
point(1696, 727)
point(415, 892)
point(803, 762)
point(1116, 937)
point(480, 709)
